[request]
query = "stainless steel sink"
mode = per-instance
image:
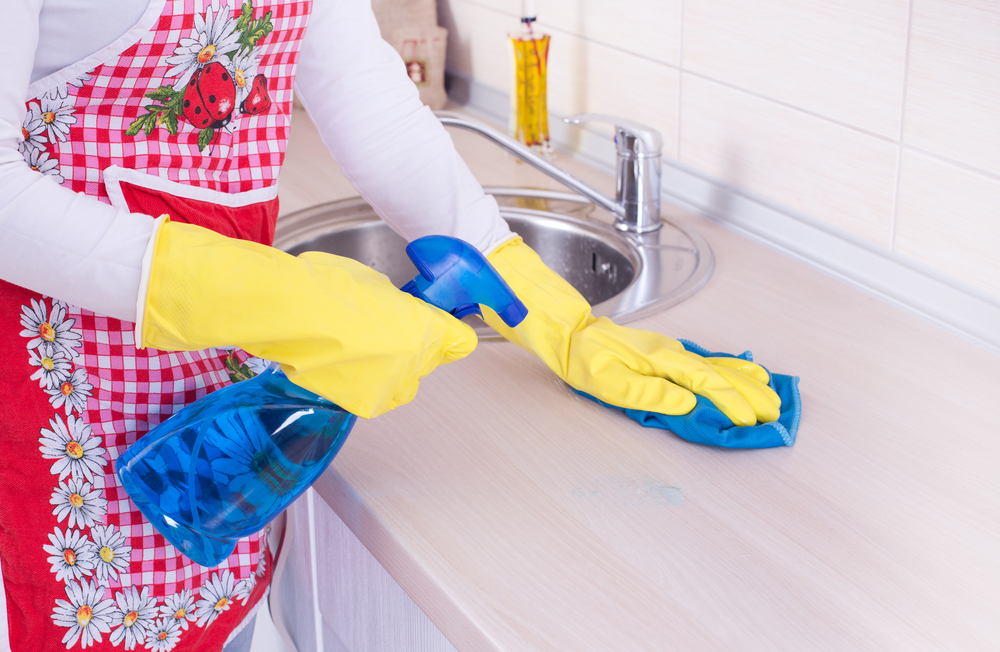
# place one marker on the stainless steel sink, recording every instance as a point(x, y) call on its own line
point(623, 275)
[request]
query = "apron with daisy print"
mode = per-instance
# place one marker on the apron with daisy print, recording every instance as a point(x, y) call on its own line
point(186, 114)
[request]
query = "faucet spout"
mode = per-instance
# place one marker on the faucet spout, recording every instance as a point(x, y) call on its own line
point(634, 181)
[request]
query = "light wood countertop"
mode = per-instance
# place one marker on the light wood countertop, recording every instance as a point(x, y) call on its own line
point(520, 516)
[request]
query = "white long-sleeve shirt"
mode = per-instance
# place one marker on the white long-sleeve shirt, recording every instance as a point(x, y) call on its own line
point(353, 85)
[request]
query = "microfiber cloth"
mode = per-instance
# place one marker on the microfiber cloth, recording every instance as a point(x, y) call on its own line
point(706, 424)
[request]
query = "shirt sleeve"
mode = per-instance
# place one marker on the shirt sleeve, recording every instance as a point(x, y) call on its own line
point(52, 240)
point(389, 145)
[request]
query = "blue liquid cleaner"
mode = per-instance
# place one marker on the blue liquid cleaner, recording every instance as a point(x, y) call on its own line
point(226, 465)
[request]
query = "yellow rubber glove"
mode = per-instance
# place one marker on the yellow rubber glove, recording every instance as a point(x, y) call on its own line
point(621, 366)
point(338, 328)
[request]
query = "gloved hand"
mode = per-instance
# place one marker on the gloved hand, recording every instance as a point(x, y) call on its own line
point(338, 328)
point(621, 366)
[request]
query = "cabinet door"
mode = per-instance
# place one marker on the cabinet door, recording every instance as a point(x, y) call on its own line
point(329, 577)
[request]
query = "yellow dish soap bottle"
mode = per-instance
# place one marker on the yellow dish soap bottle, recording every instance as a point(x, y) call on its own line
point(529, 110)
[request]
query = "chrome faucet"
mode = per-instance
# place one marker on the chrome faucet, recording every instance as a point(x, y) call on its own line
point(636, 205)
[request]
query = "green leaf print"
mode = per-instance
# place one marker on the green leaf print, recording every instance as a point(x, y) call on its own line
point(140, 124)
point(251, 31)
point(205, 137)
point(236, 370)
point(170, 122)
point(166, 103)
point(164, 109)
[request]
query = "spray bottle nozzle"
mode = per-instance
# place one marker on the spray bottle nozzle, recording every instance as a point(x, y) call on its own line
point(457, 278)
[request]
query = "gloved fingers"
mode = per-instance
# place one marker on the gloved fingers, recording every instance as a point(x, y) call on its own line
point(459, 340)
point(621, 386)
point(404, 395)
point(739, 364)
point(688, 371)
point(338, 328)
point(765, 402)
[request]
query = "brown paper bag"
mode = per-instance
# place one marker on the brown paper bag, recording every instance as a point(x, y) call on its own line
point(423, 51)
point(393, 14)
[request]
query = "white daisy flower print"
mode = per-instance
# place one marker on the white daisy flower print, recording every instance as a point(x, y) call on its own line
point(80, 502)
point(258, 365)
point(85, 614)
point(179, 608)
point(245, 588)
point(113, 556)
point(32, 131)
point(215, 38)
point(244, 69)
point(54, 327)
point(54, 366)
point(61, 91)
point(72, 556)
point(216, 596)
point(134, 616)
point(57, 116)
point(262, 560)
point(77, 451)
point(40, 161)
point(73, 392)
point(163, 635)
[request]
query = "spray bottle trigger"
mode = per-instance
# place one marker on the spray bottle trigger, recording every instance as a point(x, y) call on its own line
point(457, 278)
point(468, 309)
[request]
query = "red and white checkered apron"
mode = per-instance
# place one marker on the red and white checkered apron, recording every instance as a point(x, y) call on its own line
point(189, 116)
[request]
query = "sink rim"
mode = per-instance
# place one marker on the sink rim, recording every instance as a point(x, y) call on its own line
point(641, 298)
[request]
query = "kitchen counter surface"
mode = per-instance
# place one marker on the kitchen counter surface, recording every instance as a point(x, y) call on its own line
point(520, 516)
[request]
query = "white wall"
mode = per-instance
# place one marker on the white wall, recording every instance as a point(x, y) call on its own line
point(877, 119)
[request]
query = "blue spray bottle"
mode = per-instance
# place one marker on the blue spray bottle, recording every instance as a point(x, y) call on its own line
point(225, 466)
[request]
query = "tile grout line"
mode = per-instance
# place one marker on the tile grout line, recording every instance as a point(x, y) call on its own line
point(967, 310)
point(792, 107)
point(894, 224)
point(680, 81)
point(972, 169)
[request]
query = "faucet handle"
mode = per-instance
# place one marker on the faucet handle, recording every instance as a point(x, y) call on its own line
point(651, 139)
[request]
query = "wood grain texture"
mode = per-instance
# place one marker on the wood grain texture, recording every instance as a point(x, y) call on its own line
point(520, 516)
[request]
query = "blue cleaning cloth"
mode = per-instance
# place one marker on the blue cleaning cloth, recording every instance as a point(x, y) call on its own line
point(706, 424)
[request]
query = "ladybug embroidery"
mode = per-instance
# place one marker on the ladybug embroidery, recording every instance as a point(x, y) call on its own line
point(214, 67)
point(210, 96)
point(258, 101)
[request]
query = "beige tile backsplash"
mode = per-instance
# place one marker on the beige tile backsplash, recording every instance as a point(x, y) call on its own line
point(840, 59)
point(584, 75)
point(790, 157)
point(648, 28)
point(953, 90)
point(809, 103)
point(948, 219)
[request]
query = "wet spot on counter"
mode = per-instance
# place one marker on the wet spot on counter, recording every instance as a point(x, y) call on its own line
point(632, 491)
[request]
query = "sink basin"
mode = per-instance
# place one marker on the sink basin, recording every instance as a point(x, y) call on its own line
point(624, 276)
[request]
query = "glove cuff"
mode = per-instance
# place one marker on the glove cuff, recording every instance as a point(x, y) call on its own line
point(555, 309)
point(145, 272)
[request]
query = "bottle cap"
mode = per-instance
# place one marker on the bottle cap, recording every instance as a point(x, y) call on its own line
point(529, 11)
